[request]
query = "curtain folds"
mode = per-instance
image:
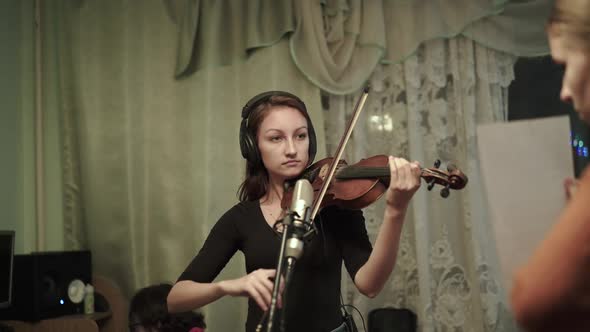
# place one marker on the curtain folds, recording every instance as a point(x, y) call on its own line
point(519, 30)
point(222, 32)
point(338, 43)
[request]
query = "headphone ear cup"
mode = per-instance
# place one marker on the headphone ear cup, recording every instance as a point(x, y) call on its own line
point(248, 145)
point(312, 143)
point(243, 143)
point(312, 139)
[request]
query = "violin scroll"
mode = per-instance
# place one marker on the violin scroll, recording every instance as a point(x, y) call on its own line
point(453, 178)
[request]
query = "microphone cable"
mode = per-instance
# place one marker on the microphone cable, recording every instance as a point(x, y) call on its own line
point(348, 319)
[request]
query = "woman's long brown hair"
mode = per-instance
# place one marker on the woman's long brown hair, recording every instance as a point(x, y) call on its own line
point(256, 181)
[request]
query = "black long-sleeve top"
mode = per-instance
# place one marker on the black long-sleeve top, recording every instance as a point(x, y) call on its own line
point(314, 294)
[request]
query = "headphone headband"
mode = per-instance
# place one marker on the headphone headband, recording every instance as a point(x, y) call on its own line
point(265, 96)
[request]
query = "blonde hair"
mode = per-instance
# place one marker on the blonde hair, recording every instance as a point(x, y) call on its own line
point(571, 20)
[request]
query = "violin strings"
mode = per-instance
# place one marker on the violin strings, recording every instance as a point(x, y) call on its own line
point(345, 172)
point(350, 172)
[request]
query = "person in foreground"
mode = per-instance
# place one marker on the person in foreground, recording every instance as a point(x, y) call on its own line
point(278, 141)
point(551, 292)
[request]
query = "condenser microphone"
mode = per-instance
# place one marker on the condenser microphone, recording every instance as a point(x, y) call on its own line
point(299, 215)
point(296, 225)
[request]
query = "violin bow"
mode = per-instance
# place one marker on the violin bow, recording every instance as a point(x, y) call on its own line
point(357, 112)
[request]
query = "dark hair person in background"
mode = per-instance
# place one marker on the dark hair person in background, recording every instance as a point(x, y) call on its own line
point(148, 312)
point(278, 141)
point(552, 291)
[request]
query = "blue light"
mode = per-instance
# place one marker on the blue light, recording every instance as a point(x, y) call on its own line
point(586, 151)
point(61, 301)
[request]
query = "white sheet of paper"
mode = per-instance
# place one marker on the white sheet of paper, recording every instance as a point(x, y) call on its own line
point(523, 165)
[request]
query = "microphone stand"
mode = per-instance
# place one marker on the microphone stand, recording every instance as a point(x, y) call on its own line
point(293, 252)
point(294, 234)
point(279, 270)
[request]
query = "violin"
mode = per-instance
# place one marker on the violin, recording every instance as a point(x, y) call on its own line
point(360, 185)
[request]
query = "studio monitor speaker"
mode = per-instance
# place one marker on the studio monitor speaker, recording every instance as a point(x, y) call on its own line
point(41, 284)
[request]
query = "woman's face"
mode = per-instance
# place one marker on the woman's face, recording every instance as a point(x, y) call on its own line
point(283, 142)
point(576, 80)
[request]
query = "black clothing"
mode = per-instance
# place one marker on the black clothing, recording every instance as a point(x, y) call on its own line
point(314, 293)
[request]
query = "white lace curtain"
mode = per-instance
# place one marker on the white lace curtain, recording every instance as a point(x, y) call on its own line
point(423, 109)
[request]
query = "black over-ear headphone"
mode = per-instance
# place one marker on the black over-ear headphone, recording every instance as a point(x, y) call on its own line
point(248, 144)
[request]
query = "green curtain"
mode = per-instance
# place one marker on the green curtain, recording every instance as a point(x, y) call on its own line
point(17, 126)
point(337, 43)
point(222, 32)
point(151, 162)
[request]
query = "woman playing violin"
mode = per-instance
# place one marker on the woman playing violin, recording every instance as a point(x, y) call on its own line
point(278, 141)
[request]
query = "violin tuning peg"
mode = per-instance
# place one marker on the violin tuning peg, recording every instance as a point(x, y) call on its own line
point(430, 185)
point(437, 163)
point(445, 192)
